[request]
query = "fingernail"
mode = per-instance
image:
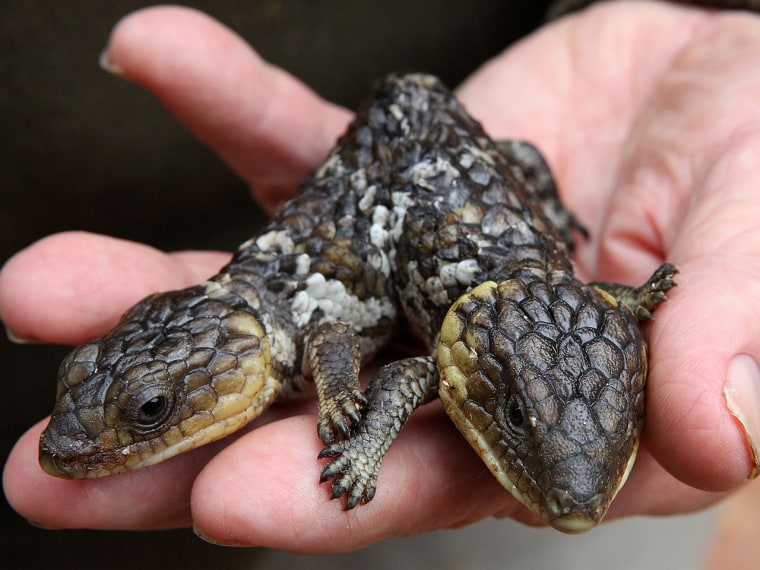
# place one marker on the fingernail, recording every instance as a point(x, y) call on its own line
point(42, 526)
point(216, 542)
point(107, 64)
point(18, 339)
point(742, 393)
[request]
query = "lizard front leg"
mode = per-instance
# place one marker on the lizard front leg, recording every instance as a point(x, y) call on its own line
point(393, 394)
point(333, 354)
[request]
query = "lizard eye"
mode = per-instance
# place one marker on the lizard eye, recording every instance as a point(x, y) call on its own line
point(515, 415)
point(153, 408)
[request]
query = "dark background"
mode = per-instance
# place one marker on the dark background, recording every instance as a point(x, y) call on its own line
point(83, 150)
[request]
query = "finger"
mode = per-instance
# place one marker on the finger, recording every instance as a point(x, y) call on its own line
point(155, 497)
point(429, 480)
point(704, 382)
point(686, 191)
point(266, 125)
point(269, 481)
point(704, 348)
point(651, 490)
point(72, 287)
point(151, 498)
point(703, 344)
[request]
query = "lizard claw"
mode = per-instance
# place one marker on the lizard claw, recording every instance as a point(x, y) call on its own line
point(652, 293)
point(352, 474)
point(336, 418)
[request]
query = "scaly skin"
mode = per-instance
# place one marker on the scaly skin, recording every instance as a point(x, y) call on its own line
point(417, 212)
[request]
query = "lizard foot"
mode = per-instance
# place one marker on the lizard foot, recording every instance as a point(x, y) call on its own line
point(338, 415)
point(652, 293)
point(354, 474)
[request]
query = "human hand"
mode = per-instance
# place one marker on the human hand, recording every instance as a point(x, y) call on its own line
point(621, 98)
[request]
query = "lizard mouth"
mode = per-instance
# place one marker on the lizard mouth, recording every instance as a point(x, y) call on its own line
point(577, 523)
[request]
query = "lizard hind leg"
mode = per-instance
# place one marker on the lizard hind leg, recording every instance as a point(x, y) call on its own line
point(532, 167)
point(642, 301)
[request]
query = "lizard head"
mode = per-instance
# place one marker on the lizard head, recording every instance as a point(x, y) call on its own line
point(545, 378)
point(180, 369)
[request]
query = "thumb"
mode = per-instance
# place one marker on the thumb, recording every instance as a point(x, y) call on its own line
point(703, 422)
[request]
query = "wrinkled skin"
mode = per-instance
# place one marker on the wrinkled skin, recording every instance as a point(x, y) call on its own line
point(647, 113)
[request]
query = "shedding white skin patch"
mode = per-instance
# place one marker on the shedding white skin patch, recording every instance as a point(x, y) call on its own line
point(368, 200)
point(400, 116)
point(401, 203)
point(276, 239)
point(333, 163)
point(461, 273)
point(303, 264)
point(379, 231)
point(338, 304)
point(246, 244)
point(380, 236)
point(435, 290)
point(472, 154)
point(212, 288)
point(359, 180)
point(282, 346)
point(423, 171)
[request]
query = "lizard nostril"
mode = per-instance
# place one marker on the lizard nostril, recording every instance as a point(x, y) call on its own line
point(557, 502)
